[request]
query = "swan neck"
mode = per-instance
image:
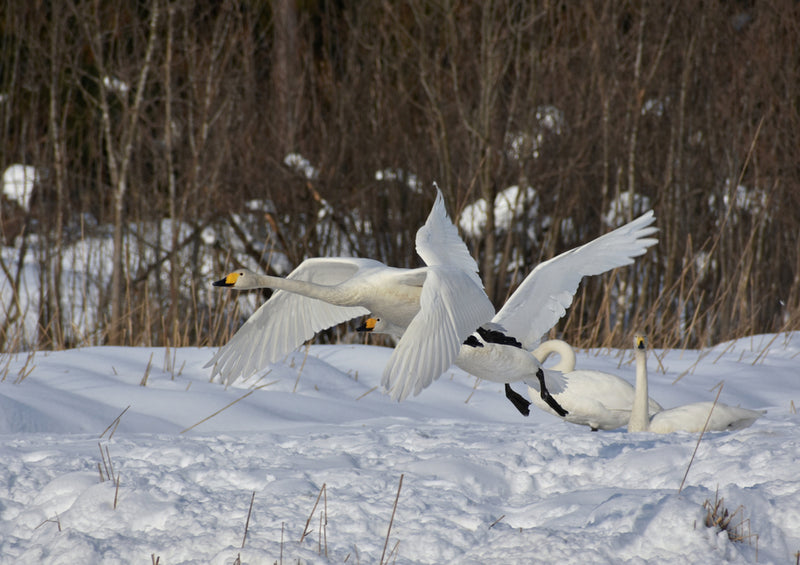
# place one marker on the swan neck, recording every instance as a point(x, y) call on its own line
point(566, 361)
point(640, 415)
point(329, 294)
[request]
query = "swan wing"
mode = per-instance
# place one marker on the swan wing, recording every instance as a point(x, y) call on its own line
point(287, 320)
point(452, 306)
point(546, 293)
point(438, 242)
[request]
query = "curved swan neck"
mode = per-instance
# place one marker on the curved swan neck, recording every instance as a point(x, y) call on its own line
point(566, 361)
point(640, 415)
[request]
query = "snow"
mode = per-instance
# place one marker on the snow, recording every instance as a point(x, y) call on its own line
point(509, 205)
point(301, 165)
point(115, 84)
point(481, 483)
point(18, 181)
point(409, 179)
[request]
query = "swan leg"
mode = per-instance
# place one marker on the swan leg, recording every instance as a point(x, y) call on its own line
point(520, 402)
point(545, 394)
point(494, 336)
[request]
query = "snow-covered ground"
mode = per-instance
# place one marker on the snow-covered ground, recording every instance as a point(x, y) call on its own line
point(480, 482)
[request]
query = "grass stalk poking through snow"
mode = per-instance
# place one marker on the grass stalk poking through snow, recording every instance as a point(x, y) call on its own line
point(697, 445)
point(25, 371)
point(247, 522)
point(302, 365)
point(56, 521)
point(143, 382)
point(114, 423)
point(227, 406)
point(391, 521)
point(305, 529)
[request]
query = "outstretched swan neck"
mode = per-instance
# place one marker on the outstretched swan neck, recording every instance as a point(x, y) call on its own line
point(640, 417)
point(247, 280)
point(566, 361)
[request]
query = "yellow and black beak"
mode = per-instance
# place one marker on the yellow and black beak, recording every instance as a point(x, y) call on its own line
point(229, 280)
point(640, 342)
point(367, 326)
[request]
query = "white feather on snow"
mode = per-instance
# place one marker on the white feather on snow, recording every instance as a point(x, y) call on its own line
point(555, 492)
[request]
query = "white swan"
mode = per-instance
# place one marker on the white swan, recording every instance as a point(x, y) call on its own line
point(686, 418)
point(489, 354)
point(596, 399)
point(534, 307)
point(441, 304)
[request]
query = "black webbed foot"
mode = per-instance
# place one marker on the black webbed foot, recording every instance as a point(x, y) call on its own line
point(545, 394)
point(519, 401)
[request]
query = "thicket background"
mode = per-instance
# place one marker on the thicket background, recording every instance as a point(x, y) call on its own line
point(139, 112)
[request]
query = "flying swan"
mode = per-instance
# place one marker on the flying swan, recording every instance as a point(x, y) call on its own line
point(441, 304)
point(500, 351)
point(686, 418)
point(596, 399)
point(488, 354)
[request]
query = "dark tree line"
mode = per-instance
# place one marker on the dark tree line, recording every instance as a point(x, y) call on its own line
point(134, 113)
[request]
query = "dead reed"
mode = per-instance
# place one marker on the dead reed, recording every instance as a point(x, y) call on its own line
point(733, 523)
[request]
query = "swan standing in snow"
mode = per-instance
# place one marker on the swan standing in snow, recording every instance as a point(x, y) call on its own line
point(686, 418)
point(441, 304)
point(596, 399)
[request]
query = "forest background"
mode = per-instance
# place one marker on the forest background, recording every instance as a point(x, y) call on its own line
point(173, 141)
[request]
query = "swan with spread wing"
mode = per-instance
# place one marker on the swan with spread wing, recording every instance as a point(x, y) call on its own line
point(441, 304)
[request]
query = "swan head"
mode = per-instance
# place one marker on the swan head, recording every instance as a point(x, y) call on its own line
point(370, 324)
point(375, 324)
point(241, 279)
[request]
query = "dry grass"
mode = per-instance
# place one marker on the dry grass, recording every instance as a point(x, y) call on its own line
point(322, 532)
point(228, 406)
point(725, 266)
point(389, 529)
point(146, 375)
point(114, 424)
point(733, 523)
point(106, 469)
point(247, 522)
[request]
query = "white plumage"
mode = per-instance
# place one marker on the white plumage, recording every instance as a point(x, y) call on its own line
point(534, 307)
point(441, 304)
point(596, 399)
point(686, 418)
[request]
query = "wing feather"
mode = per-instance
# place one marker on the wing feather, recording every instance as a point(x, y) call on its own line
point(546, 293)
point(451, 308)
point(287, 320)
point(438, 242)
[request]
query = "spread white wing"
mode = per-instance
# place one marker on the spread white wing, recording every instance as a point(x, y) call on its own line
point(452, 306)
point(287, 320)
point(546, 293)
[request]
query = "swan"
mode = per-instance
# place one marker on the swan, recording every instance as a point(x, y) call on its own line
point(441, 304)
point(686, 418)
point(535, 306)
point(488, 354)
point(596, 399)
